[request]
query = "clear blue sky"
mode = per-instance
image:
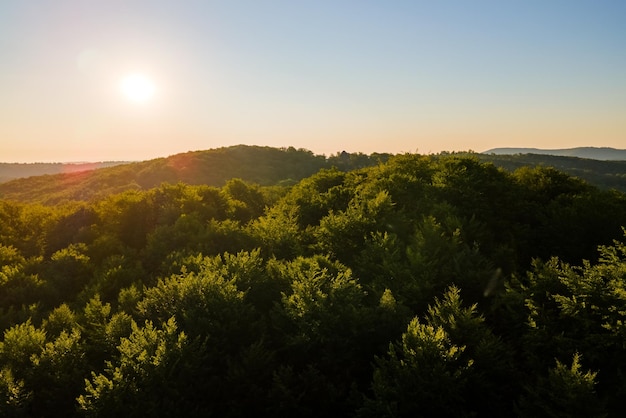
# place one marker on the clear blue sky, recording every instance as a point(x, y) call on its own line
point(368, 76)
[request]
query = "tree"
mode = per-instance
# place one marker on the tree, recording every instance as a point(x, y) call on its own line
point(565, 392)
point(448, 364)
point(278, 232)
point(323, 329)
point(579, 309)
point(245, 201)
point(62, 318)
point(424, 374)
point(439, 255)
point(58, 374)
point(150, 379)
point(343, 233)
point(69, 271)
point(14, 397)
point(20, 343)
point(204, 303)
point(316, 196)
point(21, 288)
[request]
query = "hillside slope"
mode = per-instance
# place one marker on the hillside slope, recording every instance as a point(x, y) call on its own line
point(603, 174)
point(596, 153)
point(12, 171)
point(261, 165)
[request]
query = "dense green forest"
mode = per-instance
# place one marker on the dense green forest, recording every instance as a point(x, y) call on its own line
point(388, 286)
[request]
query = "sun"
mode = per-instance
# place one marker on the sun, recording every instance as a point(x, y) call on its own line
point(138, 88)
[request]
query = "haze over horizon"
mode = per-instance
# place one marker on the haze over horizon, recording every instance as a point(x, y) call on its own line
point(325, 76)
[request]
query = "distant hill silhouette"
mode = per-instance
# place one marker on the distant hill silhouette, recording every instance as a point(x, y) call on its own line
point(261, 165)
point(11, 171)
point(604, 153)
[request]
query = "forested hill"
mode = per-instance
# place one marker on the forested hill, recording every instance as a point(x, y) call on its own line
point(261, 165)
point(11, 171)
point(603, 174)
point(596, 153)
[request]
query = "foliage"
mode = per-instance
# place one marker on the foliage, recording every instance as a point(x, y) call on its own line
point(602, 174)
point(449, 364)
point(313, 286)
point(149, 359)
point(565, 392)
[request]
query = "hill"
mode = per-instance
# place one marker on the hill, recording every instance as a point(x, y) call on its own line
point(604, 153)
point(260, 165)
point(11, 171)
point(603, 174)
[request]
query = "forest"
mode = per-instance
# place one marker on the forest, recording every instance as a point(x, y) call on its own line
point(363, 286)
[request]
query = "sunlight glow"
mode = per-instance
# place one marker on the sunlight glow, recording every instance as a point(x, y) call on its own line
point(138, 88)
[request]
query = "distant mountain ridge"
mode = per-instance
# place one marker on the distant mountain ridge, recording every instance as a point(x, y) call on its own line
point(594, 153)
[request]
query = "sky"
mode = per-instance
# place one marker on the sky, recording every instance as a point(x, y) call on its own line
point(327, 75)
